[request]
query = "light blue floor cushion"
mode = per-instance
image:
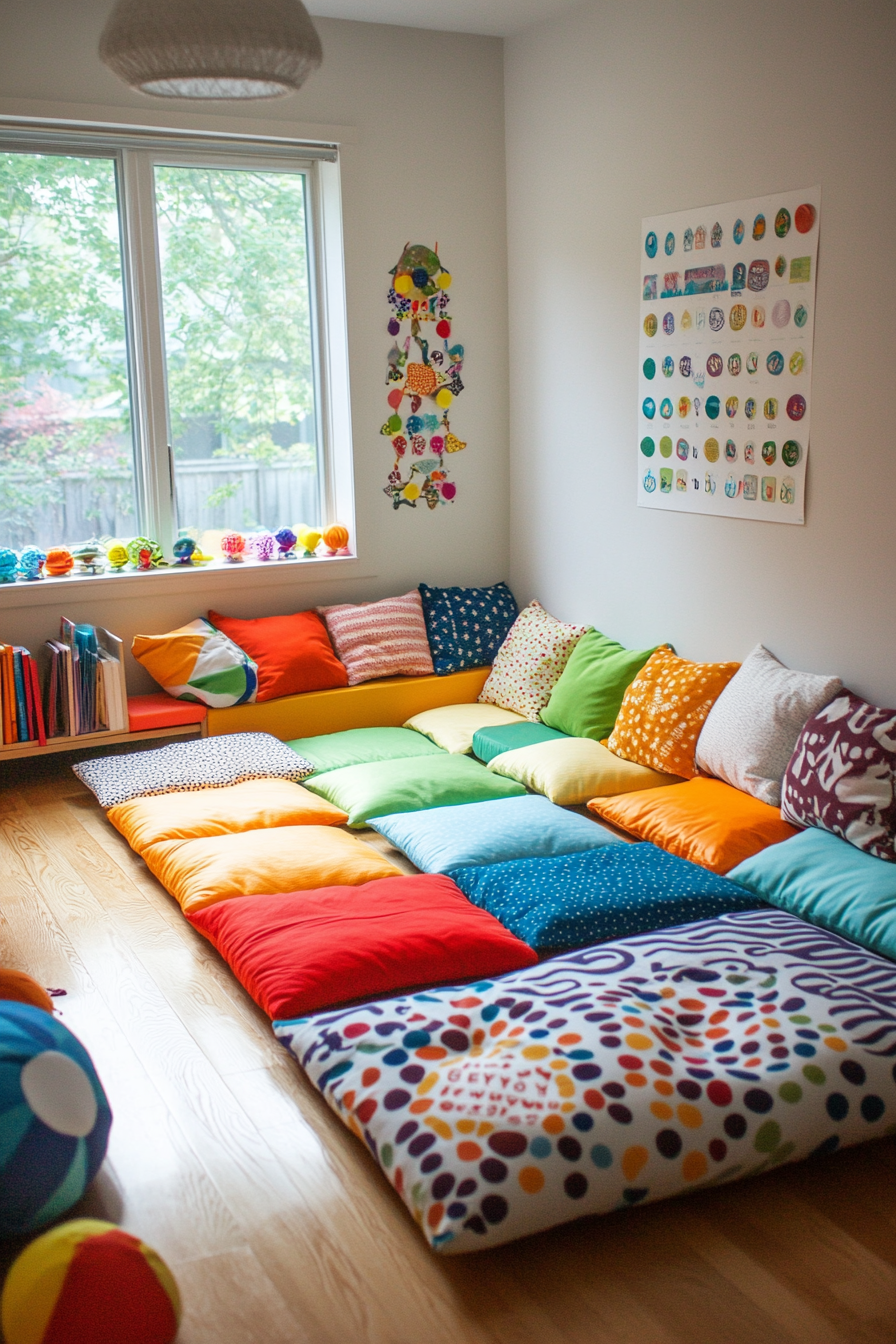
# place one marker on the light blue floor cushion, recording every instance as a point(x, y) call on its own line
point(828, 881)
point(358, 746)
point(409, 785)
point(491, 742)
point(490, 832)
point(611, 892)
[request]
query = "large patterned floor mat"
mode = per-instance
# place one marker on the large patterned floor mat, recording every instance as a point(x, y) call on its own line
point(627, 1072)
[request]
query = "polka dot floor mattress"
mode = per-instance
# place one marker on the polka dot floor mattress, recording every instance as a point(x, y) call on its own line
point(624, 1073)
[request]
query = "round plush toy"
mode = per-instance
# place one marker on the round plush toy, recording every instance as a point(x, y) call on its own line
point(60, 562)
point(184, 549)
point(233, 544)
point(21, 988)
point(9, 563)
point(89, 1281)
point(263, 545)
point(31, 562)
point(54, 1119)
point(335, 538)
point(309, 537)
point(286, 541)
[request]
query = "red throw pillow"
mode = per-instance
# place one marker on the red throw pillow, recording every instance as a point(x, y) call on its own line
point(293, 653)
point(308, 950)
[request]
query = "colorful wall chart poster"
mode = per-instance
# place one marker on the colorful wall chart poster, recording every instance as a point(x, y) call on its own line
point(727, 317)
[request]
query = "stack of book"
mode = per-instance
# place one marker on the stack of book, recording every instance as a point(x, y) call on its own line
point(83, 687)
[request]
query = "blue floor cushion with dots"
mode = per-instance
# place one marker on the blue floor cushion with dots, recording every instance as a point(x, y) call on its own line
point(576, 899)
point(614, 1076)
point(440, 839)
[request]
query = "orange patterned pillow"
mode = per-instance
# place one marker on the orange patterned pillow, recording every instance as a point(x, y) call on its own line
point(664, 709)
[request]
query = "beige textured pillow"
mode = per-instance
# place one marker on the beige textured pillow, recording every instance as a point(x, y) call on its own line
point(529, 663)
point(576, 769)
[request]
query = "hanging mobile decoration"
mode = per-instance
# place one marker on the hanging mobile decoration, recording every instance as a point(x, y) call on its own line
point(423, 378)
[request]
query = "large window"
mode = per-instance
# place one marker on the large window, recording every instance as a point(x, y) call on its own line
point(171, 340)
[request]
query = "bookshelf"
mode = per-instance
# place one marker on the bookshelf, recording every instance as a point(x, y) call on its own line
point(15, 750)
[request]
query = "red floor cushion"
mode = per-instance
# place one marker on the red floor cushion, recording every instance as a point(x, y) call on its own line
point(307, 950)
point(293, 653)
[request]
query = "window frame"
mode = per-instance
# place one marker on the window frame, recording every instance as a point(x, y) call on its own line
point(135, 153)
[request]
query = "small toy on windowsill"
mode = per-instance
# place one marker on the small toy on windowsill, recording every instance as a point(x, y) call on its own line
point(336, 539)
point(262, 545)
point(184, 550)
point(233, 545)
point(286, 543)
point(116, 556)
point(309, 538)
point(60, 562)
point(145, 554)
point(31, 562)
point(90, 556)
point(9, 563)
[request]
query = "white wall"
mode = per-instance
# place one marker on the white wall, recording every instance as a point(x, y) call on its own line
point(423, 161)
point(633, 108)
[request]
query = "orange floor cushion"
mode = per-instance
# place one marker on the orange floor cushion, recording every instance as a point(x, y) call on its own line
point(250, 806)
point(703, 820)
point(262, 863)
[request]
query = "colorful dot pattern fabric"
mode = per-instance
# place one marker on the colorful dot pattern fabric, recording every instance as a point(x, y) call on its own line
point(664, 710)
point(622, 1074)
point(466, 626)
point(530, 662)
point(574, 899)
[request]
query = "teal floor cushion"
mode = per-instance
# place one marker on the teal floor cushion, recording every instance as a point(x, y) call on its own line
point(610, 892)
point(414, 783)
point(445, 838)
point(491, 742)
point(358, 746)
point(829, 882)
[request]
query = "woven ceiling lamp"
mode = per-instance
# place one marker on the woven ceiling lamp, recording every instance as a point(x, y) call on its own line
point(211, 48)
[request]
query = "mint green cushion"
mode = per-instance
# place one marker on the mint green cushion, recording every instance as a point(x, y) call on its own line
point(358, 746)
point(827, 881)
point(586, 699)
point(410, 785)
point(491, 742)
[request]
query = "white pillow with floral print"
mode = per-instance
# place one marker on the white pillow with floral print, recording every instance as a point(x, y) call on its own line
point(529, 662)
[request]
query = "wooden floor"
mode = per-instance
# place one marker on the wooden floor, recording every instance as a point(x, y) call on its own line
point(277, 1224)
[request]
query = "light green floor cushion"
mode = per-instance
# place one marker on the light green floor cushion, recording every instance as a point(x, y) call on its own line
point(828, 881)
point(491, 742)
point(360, 746)
point(384, 787)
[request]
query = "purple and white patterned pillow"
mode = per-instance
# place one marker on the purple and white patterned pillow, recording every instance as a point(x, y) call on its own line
point(842, 775)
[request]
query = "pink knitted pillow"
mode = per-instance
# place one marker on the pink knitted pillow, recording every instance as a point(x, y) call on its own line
point(380, 639)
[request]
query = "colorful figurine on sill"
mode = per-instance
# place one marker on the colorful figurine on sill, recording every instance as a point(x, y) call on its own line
point(116, 556)
point(89, 556)
point(184, 550)
point(310, 538)
point(233, 545)
point(263, 545)
point(31, 562)
point(336, 539)
point(135, 549)
point(286, 543)
point(60, 562)
point(9, 563)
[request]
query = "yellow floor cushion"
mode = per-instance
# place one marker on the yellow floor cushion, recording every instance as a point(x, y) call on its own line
point(452, 726)
point(573, 770)
point(263, 863)
point(250, 806)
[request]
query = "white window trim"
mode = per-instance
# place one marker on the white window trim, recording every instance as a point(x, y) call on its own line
point(135, 149)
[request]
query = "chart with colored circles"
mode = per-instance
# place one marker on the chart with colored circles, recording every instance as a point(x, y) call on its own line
point(727, 317)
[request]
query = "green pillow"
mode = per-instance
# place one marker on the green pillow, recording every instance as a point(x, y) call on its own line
point(586, 699)
point(384, 787)
point(358, 746)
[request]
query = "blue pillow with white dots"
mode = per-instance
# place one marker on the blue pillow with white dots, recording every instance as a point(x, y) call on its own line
point(572, 900)
point(466, 626)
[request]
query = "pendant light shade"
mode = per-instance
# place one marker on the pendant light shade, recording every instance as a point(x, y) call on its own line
point(211, 48)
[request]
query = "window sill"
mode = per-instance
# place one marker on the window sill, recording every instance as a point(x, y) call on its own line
point(182, 578)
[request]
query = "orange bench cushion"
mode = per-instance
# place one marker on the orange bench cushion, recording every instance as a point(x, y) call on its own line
point(161, 711)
